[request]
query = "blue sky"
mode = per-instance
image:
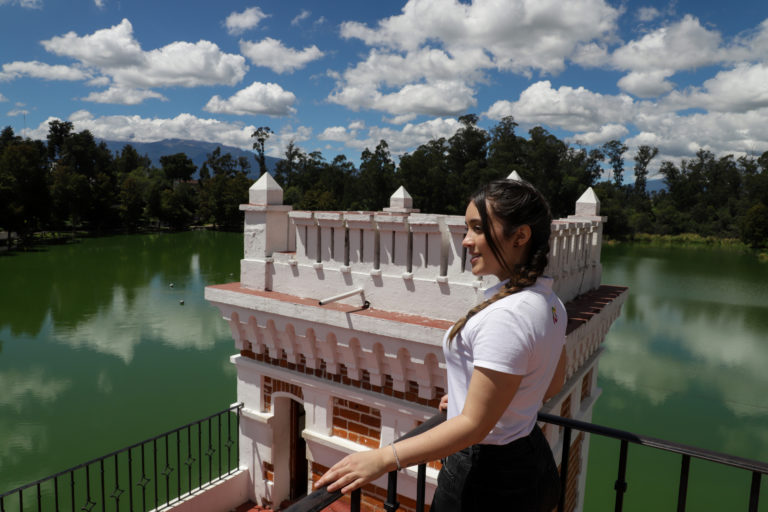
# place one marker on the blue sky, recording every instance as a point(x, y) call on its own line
point(339, 76)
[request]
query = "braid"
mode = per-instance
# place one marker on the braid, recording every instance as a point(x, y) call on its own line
point(514, 203)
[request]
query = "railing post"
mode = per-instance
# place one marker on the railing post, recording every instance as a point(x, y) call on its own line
point(621, 483)
point(682, 492)
point(566, 451)
point(421, 482)
point(754, 492)
point(355, 501)
point(391, 505)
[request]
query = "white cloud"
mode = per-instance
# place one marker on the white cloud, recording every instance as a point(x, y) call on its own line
point(604, 134)
point(239, 22)
point(37, 69)
point(123, 96)
point(736, 90)
point(577, 110)
point(17, 112)
point(646, 84)
point(116, 53)
point(99, 3)
point(112, 47)
point(436, 47)
point(258, 98)
point(272, 54)
point(279, 141)
point(399, 140)
point(142, 129)
point(28, 4)
point(304, 14)
point(647, 14)
point(3, 98)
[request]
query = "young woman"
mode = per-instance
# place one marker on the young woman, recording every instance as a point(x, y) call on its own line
point(503, 359)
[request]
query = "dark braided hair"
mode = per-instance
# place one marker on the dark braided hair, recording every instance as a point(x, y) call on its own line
point(514, 204)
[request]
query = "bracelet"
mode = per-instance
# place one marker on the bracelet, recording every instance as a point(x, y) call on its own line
point(397, 459)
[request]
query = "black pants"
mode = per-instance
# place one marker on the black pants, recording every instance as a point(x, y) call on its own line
point(519, 476)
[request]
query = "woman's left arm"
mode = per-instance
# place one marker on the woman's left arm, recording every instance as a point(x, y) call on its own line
point(489, 394)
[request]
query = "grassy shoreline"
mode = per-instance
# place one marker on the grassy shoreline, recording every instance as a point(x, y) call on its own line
point(690, 240)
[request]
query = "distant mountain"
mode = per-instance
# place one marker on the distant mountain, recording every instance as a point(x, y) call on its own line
point(656, 185)
point(197, 150)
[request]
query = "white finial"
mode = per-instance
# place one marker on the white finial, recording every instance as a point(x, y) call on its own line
point(588, 204)
point(401, 199)
point(265, 191)
point(514, 176)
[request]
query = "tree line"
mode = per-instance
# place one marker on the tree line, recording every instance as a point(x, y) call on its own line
point(71, 182)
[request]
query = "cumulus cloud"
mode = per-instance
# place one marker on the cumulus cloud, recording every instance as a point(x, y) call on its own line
point(257, 98)
point(116, 54)
point(573, 109)
point(444, 45)
point(239, 22)
point(604, 134)
point(3, 98)
point(17, 112)
point(124, 96)
point(400, 140)
point(272, 54)
point(142, 129)
point(737, 90)
point(37, 69)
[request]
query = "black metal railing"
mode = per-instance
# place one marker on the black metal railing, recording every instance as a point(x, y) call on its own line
point(152, 474)
point(321, 498)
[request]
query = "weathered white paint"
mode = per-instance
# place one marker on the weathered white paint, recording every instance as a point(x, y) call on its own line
point(222, 496)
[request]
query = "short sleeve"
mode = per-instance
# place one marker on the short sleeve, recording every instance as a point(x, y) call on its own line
point(503, 341)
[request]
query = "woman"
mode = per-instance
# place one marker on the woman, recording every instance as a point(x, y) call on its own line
point(503, 359)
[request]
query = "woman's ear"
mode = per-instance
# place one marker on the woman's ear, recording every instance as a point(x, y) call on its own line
point(522, 235)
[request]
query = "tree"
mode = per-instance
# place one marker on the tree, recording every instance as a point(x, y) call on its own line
point(24, 192)
point(754, 226)
point(377, 177)
point(643, 157)
point(178, 167)
point(261, 135)
point(614, 150)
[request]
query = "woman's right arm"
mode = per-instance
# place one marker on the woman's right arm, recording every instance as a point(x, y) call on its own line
point(489, 394)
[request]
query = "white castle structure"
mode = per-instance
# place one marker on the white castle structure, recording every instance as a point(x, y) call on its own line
point(338, 319)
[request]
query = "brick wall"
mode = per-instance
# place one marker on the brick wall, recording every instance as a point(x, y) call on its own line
point(357, 422)
point(271, 385)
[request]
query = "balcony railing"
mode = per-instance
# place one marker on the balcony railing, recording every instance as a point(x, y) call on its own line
point(153, 474)
point(321, 498)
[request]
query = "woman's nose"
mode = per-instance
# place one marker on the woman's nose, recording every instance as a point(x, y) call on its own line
point(467, 241)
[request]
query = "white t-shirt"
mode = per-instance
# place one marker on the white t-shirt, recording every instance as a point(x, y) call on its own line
point(521, 334)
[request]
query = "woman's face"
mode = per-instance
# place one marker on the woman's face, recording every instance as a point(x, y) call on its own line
point(483, 261)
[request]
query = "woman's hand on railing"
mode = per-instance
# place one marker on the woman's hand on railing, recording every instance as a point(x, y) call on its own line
point(443, 407)
point(357, 469)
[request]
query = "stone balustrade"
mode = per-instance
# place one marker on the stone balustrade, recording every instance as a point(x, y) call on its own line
point(393, 252)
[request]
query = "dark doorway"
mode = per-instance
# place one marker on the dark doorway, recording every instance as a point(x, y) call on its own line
point(298, 461)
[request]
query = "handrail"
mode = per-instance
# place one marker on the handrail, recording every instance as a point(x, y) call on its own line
point(321, 498)
point(86, 491)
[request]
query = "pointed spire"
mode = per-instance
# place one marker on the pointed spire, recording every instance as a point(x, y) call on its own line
point(588, 204)
point(514, 176)
point(265, 191)
point(401, 199)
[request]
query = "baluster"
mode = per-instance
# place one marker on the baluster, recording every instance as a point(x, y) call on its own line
point(355, 501)
point(564, 458)
point(391, 505)
point(621, 483)
point(421, 483)
point(754, 492)
point(682, 492)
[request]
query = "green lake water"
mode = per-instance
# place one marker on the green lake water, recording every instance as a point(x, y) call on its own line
point(97, 352)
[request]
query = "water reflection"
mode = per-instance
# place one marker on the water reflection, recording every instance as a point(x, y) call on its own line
point(19, 387)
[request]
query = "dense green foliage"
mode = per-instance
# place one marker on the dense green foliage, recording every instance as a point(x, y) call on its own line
point(71, 182)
